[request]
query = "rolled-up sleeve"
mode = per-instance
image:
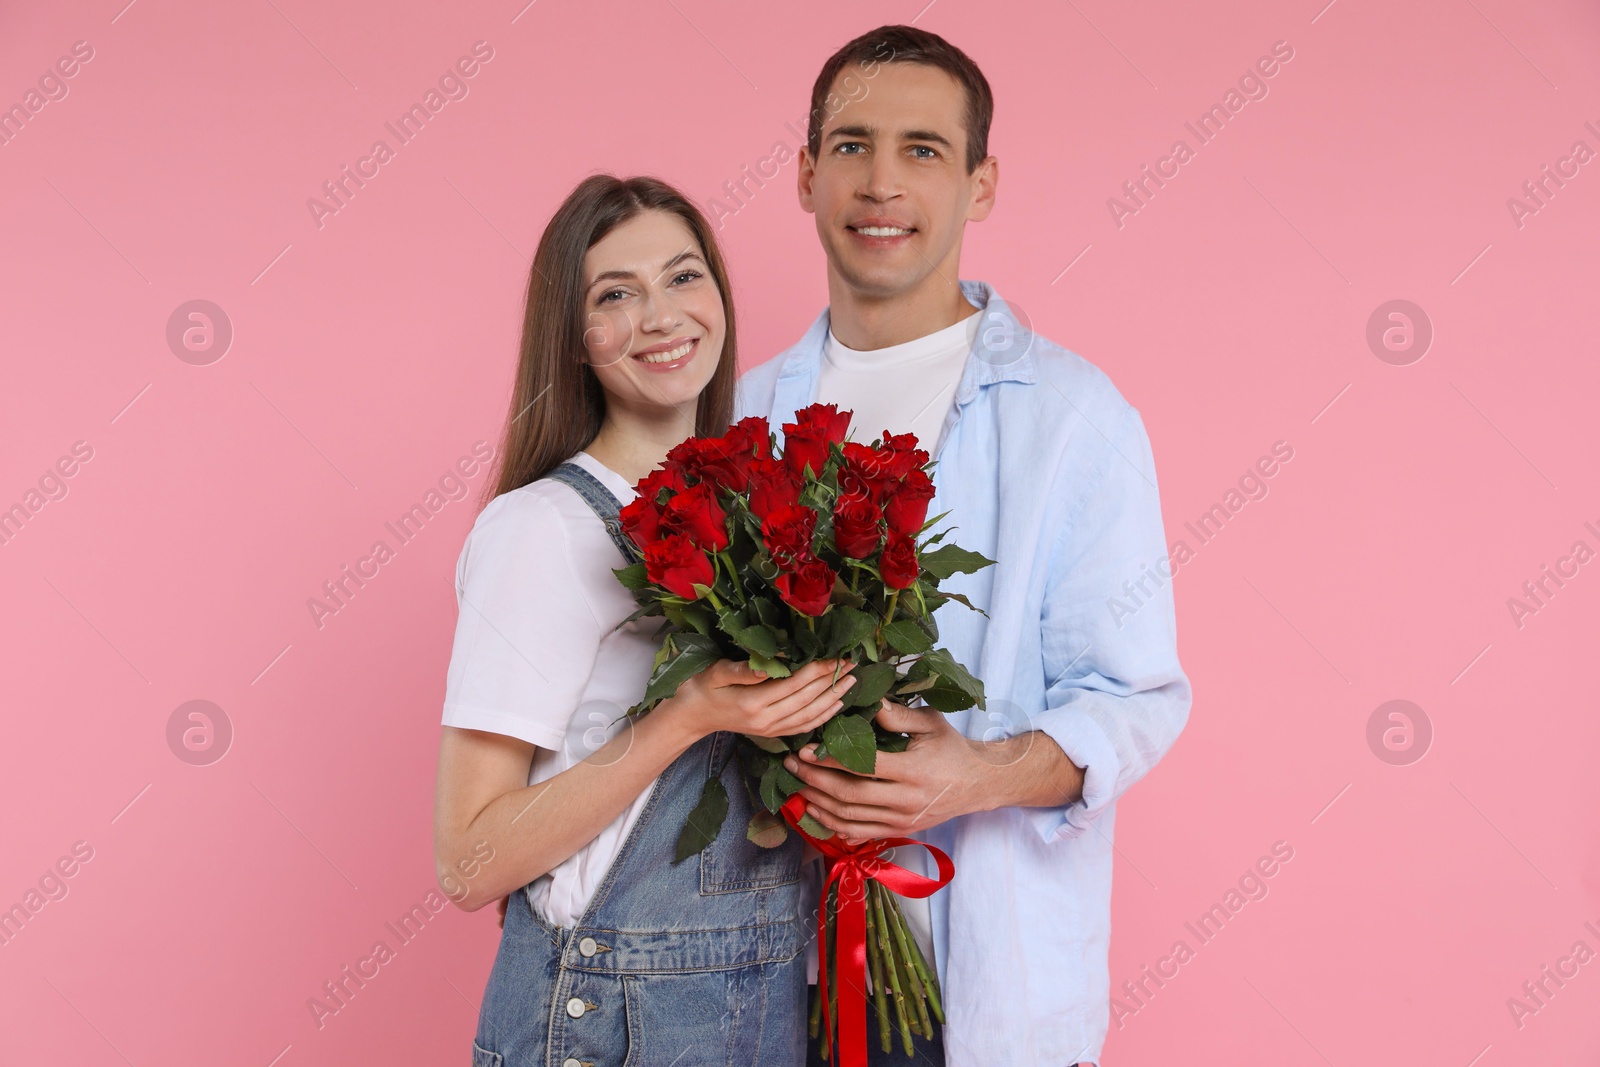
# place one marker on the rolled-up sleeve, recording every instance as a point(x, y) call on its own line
point(1116, 697)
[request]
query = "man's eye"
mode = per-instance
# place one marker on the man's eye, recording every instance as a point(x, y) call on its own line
point(851, 144)
point(924, 148)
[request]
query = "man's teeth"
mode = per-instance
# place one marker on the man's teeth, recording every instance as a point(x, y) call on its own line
point(669, 355)
point(882, 231)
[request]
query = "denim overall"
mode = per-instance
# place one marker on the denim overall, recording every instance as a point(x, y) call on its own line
point(684, 965)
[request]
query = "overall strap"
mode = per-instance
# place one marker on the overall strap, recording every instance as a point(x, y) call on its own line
point(604, 503)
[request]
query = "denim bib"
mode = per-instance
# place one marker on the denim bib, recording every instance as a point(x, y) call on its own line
point(681, 965)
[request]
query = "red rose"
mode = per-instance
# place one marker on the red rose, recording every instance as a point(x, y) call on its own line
point(875, 464)
point(904, 453)
point(641, 521)
point(898, 564)
point(806, 440)
point(772, 486)
point(726, 461)
point(690, 456)
point(808, 588)
point(853, 483)
point(752, 435)
point(675, 563)
point(787, 533)
point(855, 526)
point(664, 477)
point(907, 506)
point(695, 512)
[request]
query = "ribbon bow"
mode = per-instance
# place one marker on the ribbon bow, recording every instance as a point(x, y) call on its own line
point(851, 866)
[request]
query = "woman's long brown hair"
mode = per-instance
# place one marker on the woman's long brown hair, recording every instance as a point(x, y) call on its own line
point(557, 403)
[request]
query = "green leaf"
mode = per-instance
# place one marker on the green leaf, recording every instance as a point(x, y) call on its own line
point(814, 828)
point(768, 744)
point(697, 642)
point(770, 667)
point(767, 830)
point(850, 628)
point(704, 821)
point(944, 695)
point(851, 741)
point(759, 639)
point(945, 664)
point(907, 636)
point(701, 618)
point(810, 644)
point(943, 562)
point(680, 668)
point(787, 784)
point(939, 598)
point(770, 796)
point(632, 576)
point(648, 609)
point(872, 682)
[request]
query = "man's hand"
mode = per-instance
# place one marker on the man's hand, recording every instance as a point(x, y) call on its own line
point(941, 774)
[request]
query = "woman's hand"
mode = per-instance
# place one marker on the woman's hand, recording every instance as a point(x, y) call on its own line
point(732, 695)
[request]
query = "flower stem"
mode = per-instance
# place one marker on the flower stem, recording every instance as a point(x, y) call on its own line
point(902, 939)
point(888, 616)
point(733, 573)
point(894, 972)
point(880, 995)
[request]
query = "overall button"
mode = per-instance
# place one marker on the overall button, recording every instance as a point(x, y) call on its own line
point(587, 947)
point(575, 1007)
point(571, 1061)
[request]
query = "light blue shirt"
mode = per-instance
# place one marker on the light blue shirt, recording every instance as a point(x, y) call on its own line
point(1047, 470)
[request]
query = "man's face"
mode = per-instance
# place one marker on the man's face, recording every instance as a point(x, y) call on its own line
point(889, 187)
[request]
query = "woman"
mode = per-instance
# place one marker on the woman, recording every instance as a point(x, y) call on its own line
point(611, 953)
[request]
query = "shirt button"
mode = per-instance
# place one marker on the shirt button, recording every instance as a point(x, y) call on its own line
point(587, 946)
point(571, 1061)
point(575, 1007)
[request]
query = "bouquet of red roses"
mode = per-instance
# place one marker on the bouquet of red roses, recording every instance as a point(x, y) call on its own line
point(781, 559)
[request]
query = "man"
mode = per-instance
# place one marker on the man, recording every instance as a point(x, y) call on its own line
point(1044, 468)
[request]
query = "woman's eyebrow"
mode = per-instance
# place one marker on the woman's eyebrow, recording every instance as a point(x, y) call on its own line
point(626, 275)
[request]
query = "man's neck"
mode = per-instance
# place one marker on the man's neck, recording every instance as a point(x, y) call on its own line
point(866, 322)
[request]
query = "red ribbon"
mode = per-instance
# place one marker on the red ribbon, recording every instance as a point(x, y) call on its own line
point(851, 866)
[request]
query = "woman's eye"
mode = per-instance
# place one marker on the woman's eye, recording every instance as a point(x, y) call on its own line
point(690, 274)
point(606, 297)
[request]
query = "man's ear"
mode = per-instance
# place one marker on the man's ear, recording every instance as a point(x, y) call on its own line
point(803, 176)
point(984, 180)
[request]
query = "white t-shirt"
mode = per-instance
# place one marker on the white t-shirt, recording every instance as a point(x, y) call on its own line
point(923, 373)
point(535, 655)
point(904, 388)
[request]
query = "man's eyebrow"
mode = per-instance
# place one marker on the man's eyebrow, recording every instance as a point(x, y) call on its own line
point(906, 135)
point(625, 275)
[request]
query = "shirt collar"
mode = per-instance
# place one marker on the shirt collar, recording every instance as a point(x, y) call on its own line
point(1001, 352)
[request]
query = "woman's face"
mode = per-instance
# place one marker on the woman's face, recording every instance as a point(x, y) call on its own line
point(653, 317)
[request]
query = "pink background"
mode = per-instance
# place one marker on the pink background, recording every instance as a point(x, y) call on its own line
point(370, 354)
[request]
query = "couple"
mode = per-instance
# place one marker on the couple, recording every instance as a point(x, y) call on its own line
point(613, 954)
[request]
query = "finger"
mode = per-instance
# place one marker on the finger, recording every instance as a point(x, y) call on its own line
point(739, 673)
point(841, 811)
point(904, 720)
point(854, 830)
point(882, 798)
point(816, 714)
point(843, 785)
point(813, 716)
point(819, 688)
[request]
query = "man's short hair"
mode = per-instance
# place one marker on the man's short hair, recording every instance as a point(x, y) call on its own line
point(907, 44)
